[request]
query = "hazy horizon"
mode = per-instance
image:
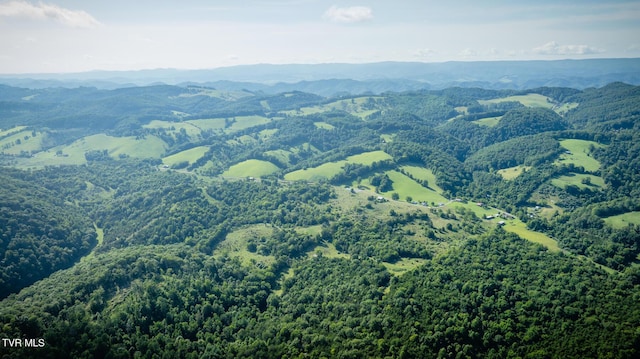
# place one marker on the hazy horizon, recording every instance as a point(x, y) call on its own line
point(68, 36)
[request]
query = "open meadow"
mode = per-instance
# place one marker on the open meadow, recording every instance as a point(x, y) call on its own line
point(578, 153)
point(330, 169)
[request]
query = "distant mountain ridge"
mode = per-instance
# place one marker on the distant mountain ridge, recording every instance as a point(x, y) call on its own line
point(329, 79)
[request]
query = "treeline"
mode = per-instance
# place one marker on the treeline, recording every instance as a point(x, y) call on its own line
point(495, 296)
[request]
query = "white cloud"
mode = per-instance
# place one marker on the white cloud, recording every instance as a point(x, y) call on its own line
point(468, 53)
point(348, 14)
point(43, 11)
point(425, 53)
point(553, 48)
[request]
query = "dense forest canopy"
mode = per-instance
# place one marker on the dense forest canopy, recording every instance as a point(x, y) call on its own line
point(190, 221)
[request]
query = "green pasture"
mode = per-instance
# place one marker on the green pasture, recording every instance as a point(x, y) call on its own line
point(324, 125)
point(242, 122)
point(191, 155)
point(18, 141)
point(280, 154)
point(310, 230)
point(529, 100)
point(327, 250)
point(513, 172)
point(266, 133)
point(579, 154)
point(356, 106)
point(322, 172)
point(330, 169)
point(576, 179)
point(423, 173)
point(404, 186)
point(519, 228)
point(404, 265)
point(175, 127)
point(73, 154)
point(12, 130)
point(623, 220)
point(205, 124)
point(251, 168)
point(565, 107)
point(235, 245)
point(388, 137)
point(462, 110)
point(488, 121)
point(224, 95)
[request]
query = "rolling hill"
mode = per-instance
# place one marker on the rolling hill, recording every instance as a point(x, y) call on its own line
point(188, 221)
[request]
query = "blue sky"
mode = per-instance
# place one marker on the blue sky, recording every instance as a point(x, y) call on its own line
point(74, 35)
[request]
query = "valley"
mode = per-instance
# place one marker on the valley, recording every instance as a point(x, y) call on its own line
point(189, 221)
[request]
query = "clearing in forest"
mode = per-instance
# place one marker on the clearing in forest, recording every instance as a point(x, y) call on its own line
point(404, 265)
point(191, 155)
point(175, 128)
point(513, 172)
point(488, 121)
point(518, 227)
point(623, 220)
point(17, 141)
point(330, 169)
point(529, 100)
point(405, 187)
point(579, 153)
point(425, 174)
point(74, 154)
point(235, 245)
point(251, 168)
point(582, 181)
point(359, 107)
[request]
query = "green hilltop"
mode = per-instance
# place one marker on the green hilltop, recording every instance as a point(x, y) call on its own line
point(190, 221)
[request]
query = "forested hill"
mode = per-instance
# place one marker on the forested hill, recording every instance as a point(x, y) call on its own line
point(194, 221)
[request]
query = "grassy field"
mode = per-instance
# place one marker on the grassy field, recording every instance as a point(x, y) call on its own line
point(242, 122)
point(17, 141)
point(488, 121)
point(191, 155)
point(73, 154)
point(224, 95)
point(324, 125)
point(194, 128)
point(175, 127)
point(404, 265)
point(519, 228)
point(235, 245)
point(12, 130)
point(355, 106)
point(579, 154)
point(423, 174)
point(205, 124)
point(405, 186)
point(623, 220)
point(327, 250)
point(513, 172)
point(281, 155)
point(565, 107)
point(577, 179)
point(251, 168)
point(330, 169)
point(388, 137)
point(529, 100)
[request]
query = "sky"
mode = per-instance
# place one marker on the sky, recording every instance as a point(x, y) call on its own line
point(61, 36)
